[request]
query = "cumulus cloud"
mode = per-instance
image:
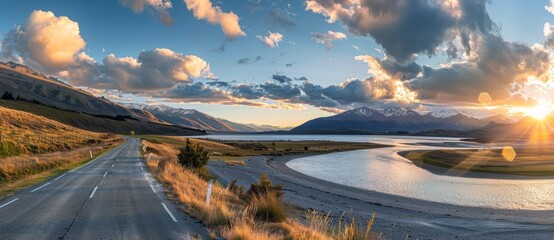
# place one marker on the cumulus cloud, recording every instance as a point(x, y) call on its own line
point(328, 38)
point(406, 27)
point(44, 41)
point(204, 10)
point(390, 67)
point(152, 70)
point(495, 67)
point(158, 7)
point(271, 40)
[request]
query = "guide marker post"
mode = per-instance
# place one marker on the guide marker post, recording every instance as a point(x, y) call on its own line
point(209, 195)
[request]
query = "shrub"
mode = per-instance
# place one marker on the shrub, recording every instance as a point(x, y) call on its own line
point(7, 96)
point(193, 156)
point(264, 186)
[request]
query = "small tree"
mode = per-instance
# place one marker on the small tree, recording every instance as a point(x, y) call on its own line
point(8, 96)
point(193, 156)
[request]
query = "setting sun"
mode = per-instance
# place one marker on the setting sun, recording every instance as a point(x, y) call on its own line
point(538, 112)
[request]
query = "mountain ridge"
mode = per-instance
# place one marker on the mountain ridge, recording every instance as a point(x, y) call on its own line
point(396, 119)
point(196, 119)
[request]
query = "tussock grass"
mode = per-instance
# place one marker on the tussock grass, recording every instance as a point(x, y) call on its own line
point(25, 133)
point(233, 216)
point(268, 207)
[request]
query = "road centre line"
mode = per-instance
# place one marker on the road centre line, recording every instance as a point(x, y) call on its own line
point(93, 191)
point(36, 189)
point(59, 177)
point(6, 204)
point(169, 213)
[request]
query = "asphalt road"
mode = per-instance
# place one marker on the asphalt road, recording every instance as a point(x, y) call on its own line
point(112, 197)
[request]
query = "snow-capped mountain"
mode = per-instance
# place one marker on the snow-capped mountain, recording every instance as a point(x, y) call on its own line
point(196, 119)
point(395, 119)
point(445, 113)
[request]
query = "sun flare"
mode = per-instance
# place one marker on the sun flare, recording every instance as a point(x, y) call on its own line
point(539, 111)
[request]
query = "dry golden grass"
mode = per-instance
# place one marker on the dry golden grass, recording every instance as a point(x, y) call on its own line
point(234, 218)
point(21, 171)
point(32, 134)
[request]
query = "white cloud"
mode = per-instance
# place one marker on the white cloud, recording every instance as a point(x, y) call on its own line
point(152, 70)
point(328, 38)
point(272, 40)
point(550, 8)
point(229, 22)
point(44, 41)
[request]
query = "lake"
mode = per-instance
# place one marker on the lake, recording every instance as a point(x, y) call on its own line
point(382, 170)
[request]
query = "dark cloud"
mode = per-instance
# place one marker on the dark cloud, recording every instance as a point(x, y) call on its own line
point(247, 91)
point(279, 91)
point(220, 84)
point(497, 66)
point(277, 20)
point(281, 78)
point(289, 65)
point(244, 61)
point(402, 71)
point(248, 60)
point(301, 79)
point(408, 27)
point(194, 92)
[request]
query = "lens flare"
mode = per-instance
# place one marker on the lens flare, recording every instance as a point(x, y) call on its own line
point(539, 111)
point(509, 153)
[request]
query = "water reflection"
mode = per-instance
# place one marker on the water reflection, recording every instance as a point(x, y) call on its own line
point(383, 171)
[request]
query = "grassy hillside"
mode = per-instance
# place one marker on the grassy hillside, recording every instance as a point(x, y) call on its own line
point(98, 124)
point(25, 83)
point(25, 133)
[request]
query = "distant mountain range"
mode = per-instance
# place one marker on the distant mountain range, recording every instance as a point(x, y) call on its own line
point(195, 119)
point(371, 120)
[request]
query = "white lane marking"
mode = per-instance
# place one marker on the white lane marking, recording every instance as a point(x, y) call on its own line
point(106, 173)
point(141, 168)
point(36, 189)
point(153, 190)
point(113, 164)
point(168, 212)
point(93, 191)
point(59, 177)
point(6, 204)
point(146, 176)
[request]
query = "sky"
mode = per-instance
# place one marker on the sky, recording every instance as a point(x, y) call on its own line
point(285, 62)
